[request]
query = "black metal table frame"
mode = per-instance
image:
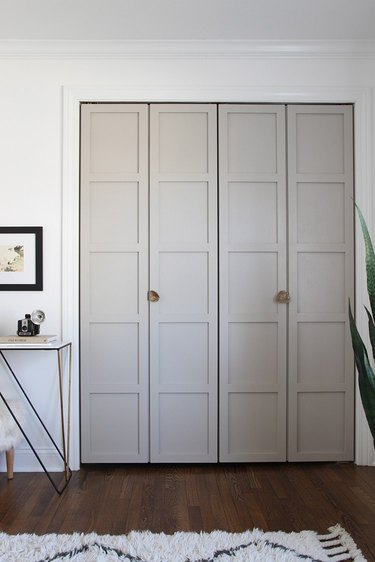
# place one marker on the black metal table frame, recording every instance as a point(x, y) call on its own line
point(64, 455)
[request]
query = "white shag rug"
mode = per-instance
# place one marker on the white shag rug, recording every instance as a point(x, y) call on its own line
point(250, 546)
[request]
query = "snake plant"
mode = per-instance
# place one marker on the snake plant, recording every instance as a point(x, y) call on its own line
point(366, 376)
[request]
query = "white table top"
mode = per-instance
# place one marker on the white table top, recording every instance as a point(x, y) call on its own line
point(54, 345)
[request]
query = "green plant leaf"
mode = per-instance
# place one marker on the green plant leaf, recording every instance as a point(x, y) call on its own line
point(371, 331)
point(370, 260)
point(366, 376)
point(367, 392)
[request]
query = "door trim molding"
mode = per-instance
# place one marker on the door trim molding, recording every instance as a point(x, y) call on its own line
point(73, 96)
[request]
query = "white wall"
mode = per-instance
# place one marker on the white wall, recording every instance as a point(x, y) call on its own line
point(193, 20)
point(41, 85)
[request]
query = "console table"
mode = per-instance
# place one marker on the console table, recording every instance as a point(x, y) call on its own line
point(59, 349)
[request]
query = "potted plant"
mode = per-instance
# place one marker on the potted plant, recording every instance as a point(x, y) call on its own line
point(366, 376)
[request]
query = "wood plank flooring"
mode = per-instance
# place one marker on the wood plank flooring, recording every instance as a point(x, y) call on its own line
point(117, 499)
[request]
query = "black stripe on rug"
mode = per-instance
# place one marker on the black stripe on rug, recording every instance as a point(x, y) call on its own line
point(217, 554)
point(234, 550)
point(86, 548)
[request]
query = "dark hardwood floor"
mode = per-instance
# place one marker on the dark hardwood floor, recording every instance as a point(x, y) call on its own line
point(169, 498)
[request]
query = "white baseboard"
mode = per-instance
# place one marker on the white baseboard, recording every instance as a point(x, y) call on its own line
point(25, 461)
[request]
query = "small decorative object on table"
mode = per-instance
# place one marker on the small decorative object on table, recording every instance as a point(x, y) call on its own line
point(30, 325)
point(10, 435)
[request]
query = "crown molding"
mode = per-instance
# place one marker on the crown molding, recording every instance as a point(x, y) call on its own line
point(182, 49)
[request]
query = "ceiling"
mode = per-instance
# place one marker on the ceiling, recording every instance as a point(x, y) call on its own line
point(291, 20)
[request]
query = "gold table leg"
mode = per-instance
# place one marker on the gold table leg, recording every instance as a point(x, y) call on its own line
point(65, 442)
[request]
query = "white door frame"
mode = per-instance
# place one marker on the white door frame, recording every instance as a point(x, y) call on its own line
point(74, 95)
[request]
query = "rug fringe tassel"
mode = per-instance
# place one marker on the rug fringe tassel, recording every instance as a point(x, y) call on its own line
point(340, 545)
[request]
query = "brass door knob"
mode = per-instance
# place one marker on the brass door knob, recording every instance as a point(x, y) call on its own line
point(153, 296)
point(282, 297)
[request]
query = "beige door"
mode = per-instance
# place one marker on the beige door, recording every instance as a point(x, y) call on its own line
point(321, 280)
point(139, 236)
point(183, 270)
point(114, 283)
point(304, 248)
point(253, 269)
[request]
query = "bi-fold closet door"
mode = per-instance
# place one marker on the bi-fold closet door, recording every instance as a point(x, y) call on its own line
point(149, 222)
point(286, 274)
point(162, 381)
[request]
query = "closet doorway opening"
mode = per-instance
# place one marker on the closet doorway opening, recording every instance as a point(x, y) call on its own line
point(242, 353)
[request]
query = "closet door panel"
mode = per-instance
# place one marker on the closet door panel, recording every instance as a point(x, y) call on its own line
point(183, 279)
point(114, 140)
point(252, 278)
point(114, 274)
point(181, 363)
point(321, 423)
point(184, 425)
point(182, 141)
point(252, 418)
point(183, 271)
point(326, 201)
point(252, 200)
point(114, 418)
point(258, 154)
point(183, 211)
point(120, 341)
point(246, 347)
point(252, 212)
point(321, 282)
point(321, 366)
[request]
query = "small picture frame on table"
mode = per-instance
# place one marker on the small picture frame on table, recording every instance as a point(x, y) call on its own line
point(21, 258)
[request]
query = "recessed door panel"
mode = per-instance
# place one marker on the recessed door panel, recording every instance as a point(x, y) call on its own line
point(183, 212)
point(115, 351)
point(323, 204)
point(253, 425)
point(321, 282)
point(114, 283)
point(115, 138)
point(252, 210)
point(320, 140)
point(183, 353)
point(182, 141)
point(114, 423)
point(120, 201)
point(183, 282)
point(183, 435)
point(253, 353)
point(326, 367)
point(321, 425)
point(252, 140)
point(252, 282)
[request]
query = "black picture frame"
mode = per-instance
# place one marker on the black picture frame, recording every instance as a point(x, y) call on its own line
point(28, 242)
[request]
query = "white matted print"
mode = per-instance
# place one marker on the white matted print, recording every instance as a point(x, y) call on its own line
point(21, 258)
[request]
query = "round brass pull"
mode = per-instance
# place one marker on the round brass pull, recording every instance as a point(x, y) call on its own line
point(153, 296)
point(283, 297)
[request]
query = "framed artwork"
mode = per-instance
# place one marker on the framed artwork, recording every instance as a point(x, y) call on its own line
point(21, 258)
